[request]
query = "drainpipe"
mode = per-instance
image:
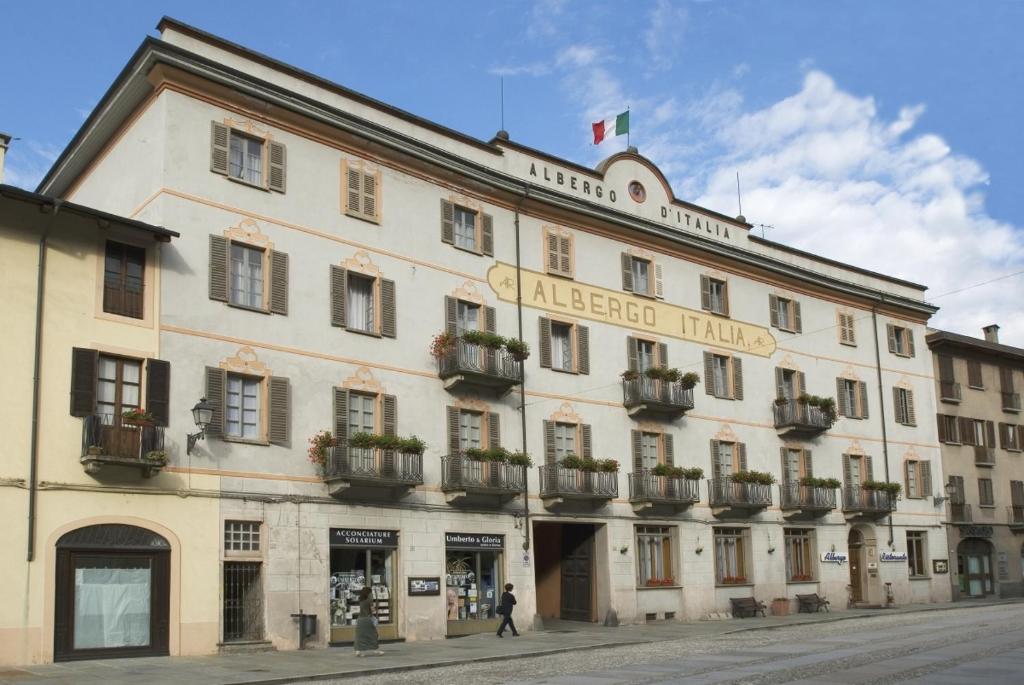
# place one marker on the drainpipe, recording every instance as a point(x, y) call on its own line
point(881, 406)
point(522, 386)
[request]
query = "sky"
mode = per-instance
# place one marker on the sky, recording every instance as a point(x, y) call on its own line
point(885, 135)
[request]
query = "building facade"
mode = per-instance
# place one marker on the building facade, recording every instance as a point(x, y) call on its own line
point(710, 415)
point(978, 384)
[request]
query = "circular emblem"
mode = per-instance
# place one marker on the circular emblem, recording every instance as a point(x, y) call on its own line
point(637, 192)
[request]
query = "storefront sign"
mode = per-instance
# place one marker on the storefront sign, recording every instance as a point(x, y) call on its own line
point(425, 586)
point(940, 566)
point(976, 531)
point(834, 558)
point(576, 299)
point(1003, 566)
point(474, 541)
point(894, 556)
point(361, 537)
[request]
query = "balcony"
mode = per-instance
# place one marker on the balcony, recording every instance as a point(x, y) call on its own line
point(860, 503)
point(371, 473)
point(1015, 518)
point(949, 391)
point(562, 488)
point(468, 481)
point(793, 417)
point(649, 493)
point(468, 366)
point(984, 456)
point(806, 500)
point(1011, 401)
point(655, 398)
point(731, 499)
point(111, 441)
point(960, 513)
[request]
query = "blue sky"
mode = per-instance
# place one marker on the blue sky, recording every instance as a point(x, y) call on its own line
point(884, 134)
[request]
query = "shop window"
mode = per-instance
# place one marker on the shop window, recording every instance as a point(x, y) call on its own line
point(800, 555)
point(123, 270)
point(917, 559)
point(473, 579)
point(362, 558)
point(654, 556)
point(731, 555)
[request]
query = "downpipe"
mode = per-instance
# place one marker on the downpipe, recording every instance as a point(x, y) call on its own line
point(522, 379)
point(881, 408)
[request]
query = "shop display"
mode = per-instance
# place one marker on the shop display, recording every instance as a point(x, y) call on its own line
point(361, 560)
point(472, 565)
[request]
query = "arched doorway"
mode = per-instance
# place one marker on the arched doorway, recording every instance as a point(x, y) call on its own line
point(112, 593)
point(855, 543)
point(974, 567)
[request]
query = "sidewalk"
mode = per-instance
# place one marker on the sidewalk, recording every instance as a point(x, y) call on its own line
point(273, 668)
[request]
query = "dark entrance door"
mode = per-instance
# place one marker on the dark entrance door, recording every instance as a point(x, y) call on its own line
point(974, 568)
point(112, 593)
point(856, 545)
point(577, 571)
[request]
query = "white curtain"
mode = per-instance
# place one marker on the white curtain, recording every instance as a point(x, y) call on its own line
point(360, 303)
point(112, 607)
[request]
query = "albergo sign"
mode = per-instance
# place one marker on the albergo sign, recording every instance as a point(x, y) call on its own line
point(573, 298)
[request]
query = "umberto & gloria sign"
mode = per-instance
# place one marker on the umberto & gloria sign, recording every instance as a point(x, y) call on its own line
point(576, 299)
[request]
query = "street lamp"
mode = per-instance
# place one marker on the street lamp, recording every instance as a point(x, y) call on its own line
point(950, 489)
point(202, 414)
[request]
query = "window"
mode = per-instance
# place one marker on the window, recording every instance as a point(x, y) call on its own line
point(361, 315)
point(246, 158)
point(641, 282)
point(714, 295)
point(123, 270)
point(847, 335)
point(561, 346)
point(974, 377)
point(654, 556)
point(917, 559)
point(246, 276)
point(903, 402)
point(784, 313)
point(1010, 437)
point(853, 398)
point(948, 429)
point(468, 317)
point(901, 340)
point(731, 556)
point(641, 276)
point(918, 476)
point(362, 190)
point(649, 452)
point(645, 355)
point(241, 536)
point(800, 555)
point(725, 458)
point(564, 346)
point(857, 468)
point(796, 463)
point(246, 162)
point(365, 302)
point(470, 430)
point(558, 252)
point(117, 387)
point(362, 413)
point(985, 496)
point(465, 228)
point(972, 432)
point(789, 384)
point(243, 407)
point(723, 376)
point(565, 440)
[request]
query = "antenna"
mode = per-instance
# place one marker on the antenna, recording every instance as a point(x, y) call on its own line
point(764, 226)
point(502, 96)
point(739, 198)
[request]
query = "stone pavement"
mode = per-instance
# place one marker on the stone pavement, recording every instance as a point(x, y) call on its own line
point(272, 668)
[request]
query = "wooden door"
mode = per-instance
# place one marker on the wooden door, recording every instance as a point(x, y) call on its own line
point(856, 563)
point(577, 571)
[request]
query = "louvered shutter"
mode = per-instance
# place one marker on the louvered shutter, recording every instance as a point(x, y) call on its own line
point(354, 191)
point(447, 222)
point(808, 464)
point(844, 332)
point(218, 268)
point(911, 414)
point(220, 142)
point(280, 409)
point(940, 421)
point(801, 383)
point(798, 326)
point(908, 466)
point(847, 471)
point(910, 341)
point(493, 430)
point(958, 488)
point(389, 424)
point(990, 434)
point(565, 256)
point(632, 354)
point(741, 455)
point(216, 379)
point(1005, 379)
point(583, 350)
point(158, 390)
point(549, 443)
point(490, 320)
point(663, 355)
point(863, 399)
point(965, 429)
point(716, 464)
point(451, 315)
point(545, 342)
point(551, 244)
point(784, 457)
point(487, 235)
point(84, 373)
point(890, 331)
point(1017, 493)
point(370, 195)
point(709, 374)
point(636, 441)
point(705, 293)
point(1002, 435)
point(659, 287)
point(900, 418)
point(1020, 437)
point(278, 282)
point(278, 158)
point(725, 298)
point(668, 442)
point(339, 463)
point(454, 444)
point(844, 410)
point(945, 368)
point(737, 378)
point(627, 272)
point(587, 439)
point(389, 315)
point(773, 310)
point(869, 467)
point(780, 382)
point(339, 281)
point(926, 478)
point(974, 374)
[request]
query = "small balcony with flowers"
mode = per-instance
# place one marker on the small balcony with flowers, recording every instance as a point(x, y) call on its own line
point(479, 361)
point(484, 477)
point(131, 440)
point(579, 483)
point(870, 501)
point(740, 495)
point(804, 416)
point(664, 489)
point(368, 466)
point(658, 392)
point(808, 498)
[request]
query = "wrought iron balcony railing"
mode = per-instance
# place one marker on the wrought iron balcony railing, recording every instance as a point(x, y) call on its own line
point(859, 500)
point(724, 492)
point(462, 473)
point(656, 396)
point(647, 487)
point(478, 365)
point(810, 498)
point(372, 465)
point(984, 456)
point(1015, 516)
point(1011, 401)
point(801, 416)
point(558, 481)
point(113, 440)
point(949, 391)
point(960, 512)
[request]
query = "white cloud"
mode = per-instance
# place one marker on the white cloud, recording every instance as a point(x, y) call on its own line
point(740, 70)
point(533, 69)
point(27, 161)
point(577, 56)
point(662, 38)
point(544, 16)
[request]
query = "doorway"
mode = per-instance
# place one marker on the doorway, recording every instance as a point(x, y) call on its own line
point(974, 567)
point(565, 570)
point(856, 551)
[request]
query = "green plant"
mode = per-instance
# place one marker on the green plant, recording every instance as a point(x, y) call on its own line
point(690, 380)
point(486, 339)
point(663, 374)
point(630, 375)
point(156, 456)
point(882, 486)
point(608, 466)
point(318, 445)
point(667, 471)
point(572, 461)
point(589, 465)
point(519, 349)
point(831, 483)
point(520, 459)
point(781, 401)
point(362, 440)
point(827, 407)
point(442, 345)
point(758, 477)
point(693, 473)
point(412, 445)
point(139, 414)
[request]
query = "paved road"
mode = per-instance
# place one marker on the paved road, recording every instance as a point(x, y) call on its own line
point(963, 645)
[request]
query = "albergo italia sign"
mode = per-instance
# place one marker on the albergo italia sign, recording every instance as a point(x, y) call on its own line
point(573, 298)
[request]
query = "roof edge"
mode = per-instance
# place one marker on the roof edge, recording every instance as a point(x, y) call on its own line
point(940, 338)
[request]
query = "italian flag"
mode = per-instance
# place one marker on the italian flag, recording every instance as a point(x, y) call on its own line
point(616, 126)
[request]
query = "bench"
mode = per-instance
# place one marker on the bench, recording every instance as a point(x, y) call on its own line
point(812, 603)
point(743, 607)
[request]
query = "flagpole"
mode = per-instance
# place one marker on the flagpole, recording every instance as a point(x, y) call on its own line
point(627, 127)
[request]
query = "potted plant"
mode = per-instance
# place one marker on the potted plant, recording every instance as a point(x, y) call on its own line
point(318, 446)
point(442, 345)
point(519, 350)
point(571, 461)
point(608, 466)
point(780, 606)
point(781, 401)
point(520, 459)
point(630, 375)
point(693, 473)
point(667, 471)
point(158, 457)
point(412, 445)
point(689, 380)
point(137, 417)
point(588, 465)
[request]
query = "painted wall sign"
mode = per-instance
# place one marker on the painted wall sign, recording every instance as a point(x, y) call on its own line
point(834, 558)
point(976, 531)
point(361, 537)
point(940, 566)
point(425, 586)
point(474, 541)
point(573, 298)
point(894, 556)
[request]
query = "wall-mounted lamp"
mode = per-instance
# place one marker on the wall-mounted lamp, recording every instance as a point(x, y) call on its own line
point(950, 489)
point(202, 414)
point(699, 548)
point(771, 547)
point(624, 549)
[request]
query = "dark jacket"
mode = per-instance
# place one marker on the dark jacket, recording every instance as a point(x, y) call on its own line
point(508, 600)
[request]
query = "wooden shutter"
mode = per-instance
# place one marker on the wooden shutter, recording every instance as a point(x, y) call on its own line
point(454, 444)
point(741, 455)
point(958, 487)
point(863, 387)
point(716, 466)
point(218, 268)
point(780, 382)
point(900, 418)
point(1017, 493)
point(841, 397)
point(341, 396)
point(278, 282)
point(158, 390)
point(709, 373)
point(869, 468)
point(659, 287)
point(890, 331)
point(216, 379)
point(354, 191)
point(946, 368)
point(705, 293)
point(451, 315)
point(339, 281)
point(447, 222)
point(587, 440)
point(940, 421)
point(974, 374)
point(910, 341)
point(565, 256)
point(278, 157)
point(84, 374)
point(801, 383)
point(549, 443)
point(627, 272)
point(545, 342)
point(990, 434)
point(773, 310)
point(632, 354)
point(582, 350)
point(389, 316)
point(737, 378)
point(636, 441)
point(847, 471)
point(1002, 435)
point(725, 298)
point(220, 142)
point(908, 466)
point(784, 456)
point(808, 463)
point(389, 424)
point(925, 480)
point(487, 235)
point(965, 429)
point(370, 195)
point(668, 443)
point(663, 355)
point(552, 257)
point(493, 430)
point(490, 320)
point(798, 326)
point(280, 409)
point(911, 414)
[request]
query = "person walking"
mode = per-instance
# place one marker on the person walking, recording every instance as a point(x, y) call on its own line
point(366, 625)
point(508, 600)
